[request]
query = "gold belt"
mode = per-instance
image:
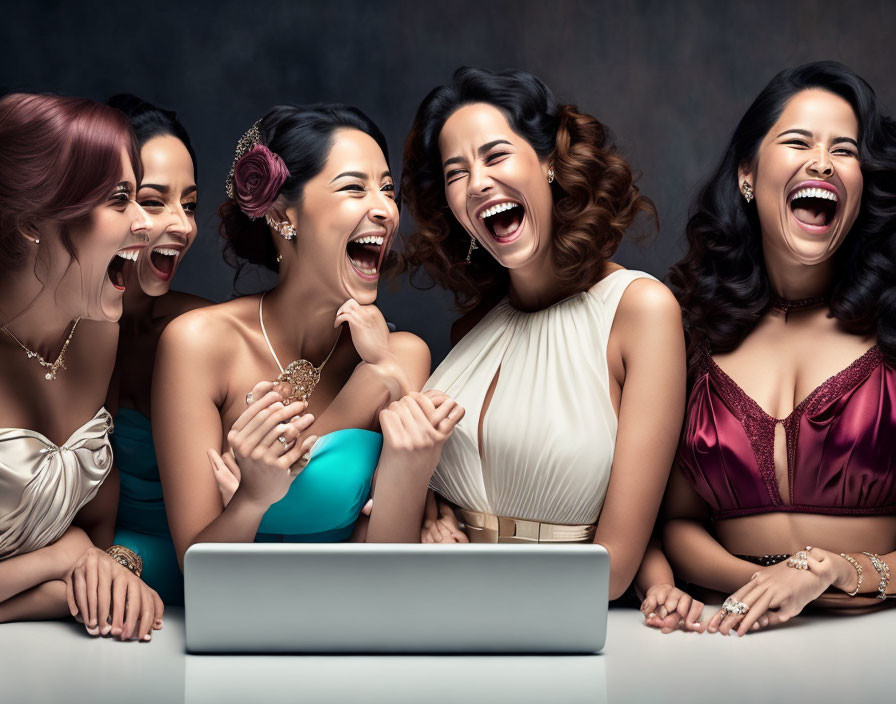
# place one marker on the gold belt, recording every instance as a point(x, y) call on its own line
point(488, 528)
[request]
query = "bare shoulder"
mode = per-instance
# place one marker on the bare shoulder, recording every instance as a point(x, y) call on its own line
point(175, 303)
point(208, 330)
point(648, 302)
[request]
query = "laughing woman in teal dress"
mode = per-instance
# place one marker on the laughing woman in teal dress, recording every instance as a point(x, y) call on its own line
point(298, 397)
point(168, 194)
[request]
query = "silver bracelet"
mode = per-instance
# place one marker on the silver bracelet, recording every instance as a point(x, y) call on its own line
point(883, 569)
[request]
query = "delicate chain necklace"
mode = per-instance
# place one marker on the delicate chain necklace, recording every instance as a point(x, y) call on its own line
point(52, 366)
point(301, 375)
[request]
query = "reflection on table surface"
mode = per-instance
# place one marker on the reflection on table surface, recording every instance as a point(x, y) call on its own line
point(825, 657)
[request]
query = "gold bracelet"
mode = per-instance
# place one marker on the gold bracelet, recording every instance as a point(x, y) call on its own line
point(858, 567)
point(883, 569)
point(127, 558)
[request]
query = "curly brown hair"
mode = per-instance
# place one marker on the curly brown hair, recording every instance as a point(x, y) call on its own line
point(594, 192)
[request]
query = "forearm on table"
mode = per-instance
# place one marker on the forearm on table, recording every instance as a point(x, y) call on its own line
point(23, 572)
point(700, 559)
point(871, 578)
point(44, 601)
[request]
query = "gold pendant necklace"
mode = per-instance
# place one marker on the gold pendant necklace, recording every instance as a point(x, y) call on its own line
point(54, 367)
point(301, 375)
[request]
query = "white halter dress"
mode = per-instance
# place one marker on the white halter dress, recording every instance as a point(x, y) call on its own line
point(43, 485)
point(550, 429)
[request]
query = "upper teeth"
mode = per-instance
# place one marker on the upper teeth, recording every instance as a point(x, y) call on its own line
point(815, 193)
point(166, 251)
point(370, 239)
point(495, 209)
point(128, 254)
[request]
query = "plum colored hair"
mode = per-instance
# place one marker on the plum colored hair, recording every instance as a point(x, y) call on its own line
point(595, 196)
point(60, 157)
point(721, 283)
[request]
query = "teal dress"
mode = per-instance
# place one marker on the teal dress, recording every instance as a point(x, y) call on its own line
point(321, 506)
point(142, 524)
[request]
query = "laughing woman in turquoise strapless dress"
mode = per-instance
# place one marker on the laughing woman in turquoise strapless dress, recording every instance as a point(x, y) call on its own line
point(168, 194)
point(254, 446)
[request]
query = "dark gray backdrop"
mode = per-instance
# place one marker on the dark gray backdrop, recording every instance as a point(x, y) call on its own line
point(671, 79)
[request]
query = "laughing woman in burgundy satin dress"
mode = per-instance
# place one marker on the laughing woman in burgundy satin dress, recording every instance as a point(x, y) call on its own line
point(788, 293)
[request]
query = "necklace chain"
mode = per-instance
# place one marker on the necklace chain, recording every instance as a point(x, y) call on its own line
point(301, 375)
point(53, 367)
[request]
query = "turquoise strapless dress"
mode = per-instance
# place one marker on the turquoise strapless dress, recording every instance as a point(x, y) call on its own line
point(142, 524)
point(321, 506)
point(323, 503)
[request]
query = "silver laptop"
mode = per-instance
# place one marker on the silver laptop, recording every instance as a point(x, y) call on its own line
point(364, 598)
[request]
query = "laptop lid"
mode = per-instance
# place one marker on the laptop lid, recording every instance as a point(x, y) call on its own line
point(351, 597)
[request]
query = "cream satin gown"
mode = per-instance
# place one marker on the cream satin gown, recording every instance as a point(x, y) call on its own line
point(550, 429)
point(43, 485)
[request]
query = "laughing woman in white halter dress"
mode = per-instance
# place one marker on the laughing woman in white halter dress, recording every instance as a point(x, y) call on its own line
point(571, 369)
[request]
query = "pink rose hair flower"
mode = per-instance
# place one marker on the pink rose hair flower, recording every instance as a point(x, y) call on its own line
point(257, 178)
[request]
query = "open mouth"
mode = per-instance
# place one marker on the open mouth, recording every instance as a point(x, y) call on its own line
point(503, 220)
point(813, 208)
point(365, 254)
point(115, 270)
point(164, 261)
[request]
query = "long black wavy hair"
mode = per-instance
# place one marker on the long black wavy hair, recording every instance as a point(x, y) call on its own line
point(721, 283)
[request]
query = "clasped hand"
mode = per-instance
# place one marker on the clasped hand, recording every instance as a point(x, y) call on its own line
point(265, 455)
point(109, 599)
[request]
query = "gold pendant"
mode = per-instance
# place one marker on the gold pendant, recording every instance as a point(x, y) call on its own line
point(302, 377)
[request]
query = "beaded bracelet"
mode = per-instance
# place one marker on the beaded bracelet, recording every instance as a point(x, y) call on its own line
point(854, 563)
point(127, 558)
point(883, 569)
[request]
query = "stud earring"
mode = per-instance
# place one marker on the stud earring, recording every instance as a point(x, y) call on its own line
point(473, 245)
point(287, 230)
point(550, 174)
point(747, 190)
point(37, 240)
point(279, 258)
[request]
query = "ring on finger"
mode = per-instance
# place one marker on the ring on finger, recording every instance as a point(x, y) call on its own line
point(249, 398)
point(799, 560)
point(733, 606)
point(283, 441)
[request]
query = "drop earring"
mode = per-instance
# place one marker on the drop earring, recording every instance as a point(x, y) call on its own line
point(473, 245)
point(747, 190)
point(550, 174)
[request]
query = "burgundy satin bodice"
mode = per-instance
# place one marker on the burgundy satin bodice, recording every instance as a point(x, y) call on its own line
point(841, 445)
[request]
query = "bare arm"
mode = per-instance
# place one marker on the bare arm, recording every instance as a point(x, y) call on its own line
point(401, 480)
point(650, 339)
point(186, 422)
point(694, 553)
point(22, 572)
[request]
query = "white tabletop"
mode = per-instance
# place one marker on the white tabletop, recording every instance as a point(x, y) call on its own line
point(818, 658)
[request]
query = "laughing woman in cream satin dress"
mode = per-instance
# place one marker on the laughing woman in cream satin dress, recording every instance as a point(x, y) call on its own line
point(68, 227)
point(570, 367)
